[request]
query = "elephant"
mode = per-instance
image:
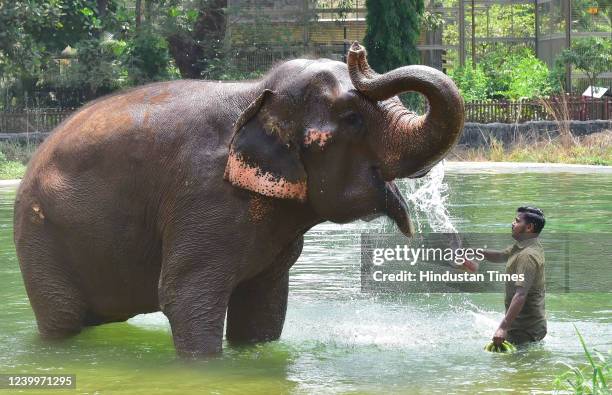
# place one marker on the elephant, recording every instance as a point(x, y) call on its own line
point(192, 197)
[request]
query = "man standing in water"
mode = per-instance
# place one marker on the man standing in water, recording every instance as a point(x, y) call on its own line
point(525, 319)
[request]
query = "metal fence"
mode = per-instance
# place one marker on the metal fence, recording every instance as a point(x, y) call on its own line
point(560, 108)
point(32, 120)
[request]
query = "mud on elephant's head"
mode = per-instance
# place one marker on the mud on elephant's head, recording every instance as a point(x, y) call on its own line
point(335, 136)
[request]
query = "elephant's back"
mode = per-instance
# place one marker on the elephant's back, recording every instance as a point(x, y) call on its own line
point(117, 149)
point(125, 125)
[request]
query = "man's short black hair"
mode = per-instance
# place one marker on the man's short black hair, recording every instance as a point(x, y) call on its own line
point(533, 215)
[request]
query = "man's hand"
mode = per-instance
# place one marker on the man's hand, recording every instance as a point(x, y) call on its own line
point(516, 305)
point(470, 266)
point(499, 336)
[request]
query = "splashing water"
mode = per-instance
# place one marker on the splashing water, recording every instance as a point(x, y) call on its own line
point(428, 197)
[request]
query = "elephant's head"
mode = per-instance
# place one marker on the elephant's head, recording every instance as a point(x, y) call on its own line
point(335, 136)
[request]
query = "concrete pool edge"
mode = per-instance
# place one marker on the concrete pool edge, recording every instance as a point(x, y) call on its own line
point(487, 167)
point(9, 183)
point(523, 167)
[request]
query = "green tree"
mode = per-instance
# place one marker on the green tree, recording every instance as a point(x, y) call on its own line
point(34, 33)
point(147, 57)
point(592, 55)
point(97, 71)
point(195, 31)
point(392, 33)
point(499, 64)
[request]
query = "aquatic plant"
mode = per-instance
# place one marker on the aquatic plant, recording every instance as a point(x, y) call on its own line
point(590, 379)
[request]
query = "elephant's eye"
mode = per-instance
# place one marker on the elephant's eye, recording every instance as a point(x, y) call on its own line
point(352, 118)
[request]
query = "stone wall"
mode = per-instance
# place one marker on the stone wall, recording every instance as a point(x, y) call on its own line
point(479, 134)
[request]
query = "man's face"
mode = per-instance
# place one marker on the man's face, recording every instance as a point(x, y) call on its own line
point(520, 227)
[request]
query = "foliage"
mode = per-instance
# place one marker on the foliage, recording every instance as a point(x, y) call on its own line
point(501, 74)
point(432, 20)
point(472, 82)
point(96, 69)
point(120, 45)
point(224, 70)
point(342, 8)
point(584, 21)
point(9, 168)
point(592, 55)
point(529, 79)
point(592, 379)
point(11, 151)
point(499, 65)
point(112, 50)
point(392, 33)
point(147, 58)
point(557, 76)
point(391, 36)
point(195, 32)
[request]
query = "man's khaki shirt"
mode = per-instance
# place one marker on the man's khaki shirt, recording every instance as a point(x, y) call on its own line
point(526, 257)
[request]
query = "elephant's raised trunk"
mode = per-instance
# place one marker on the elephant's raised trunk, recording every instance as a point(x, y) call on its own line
point(410, 144)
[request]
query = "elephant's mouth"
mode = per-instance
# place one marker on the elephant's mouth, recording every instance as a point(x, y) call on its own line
point(397, 209)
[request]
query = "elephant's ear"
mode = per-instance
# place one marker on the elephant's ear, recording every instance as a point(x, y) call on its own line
point(261, 157)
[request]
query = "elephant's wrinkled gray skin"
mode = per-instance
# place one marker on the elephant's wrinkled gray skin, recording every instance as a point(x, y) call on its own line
point(192, 197)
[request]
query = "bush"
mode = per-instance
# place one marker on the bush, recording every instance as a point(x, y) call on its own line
point(13, 158)
point(147, 58)
point(16, 152)
point(472, 82)
point(11, 170)
point(96, 68)
point(513, 75)
point(529, 79)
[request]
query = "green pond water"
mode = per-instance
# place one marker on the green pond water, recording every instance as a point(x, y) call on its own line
point(337, 339)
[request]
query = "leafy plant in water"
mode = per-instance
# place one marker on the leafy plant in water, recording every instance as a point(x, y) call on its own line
point(592, 379)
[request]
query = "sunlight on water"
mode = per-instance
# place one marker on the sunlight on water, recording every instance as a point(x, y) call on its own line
point(336, 338)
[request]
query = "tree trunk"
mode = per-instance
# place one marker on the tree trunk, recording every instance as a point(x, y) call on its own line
point(138, 13)
point(148, 13)
point(194, 51)
point(102, 8)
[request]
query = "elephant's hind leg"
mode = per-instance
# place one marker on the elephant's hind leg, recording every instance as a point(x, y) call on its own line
point(58, 304)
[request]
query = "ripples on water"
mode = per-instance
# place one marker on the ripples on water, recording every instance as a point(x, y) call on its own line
point(337, 339)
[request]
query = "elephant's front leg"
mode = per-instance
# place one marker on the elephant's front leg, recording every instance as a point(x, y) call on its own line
point(257, 308)
point(194, 296)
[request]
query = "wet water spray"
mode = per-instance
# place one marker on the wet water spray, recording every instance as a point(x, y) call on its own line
point(427, 197)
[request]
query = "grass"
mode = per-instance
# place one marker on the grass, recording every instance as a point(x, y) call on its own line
point(594, 149)
point(10, 170)
point(593, 378)
point(14, 158)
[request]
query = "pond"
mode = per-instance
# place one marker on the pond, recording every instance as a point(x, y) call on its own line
point(337, 339)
